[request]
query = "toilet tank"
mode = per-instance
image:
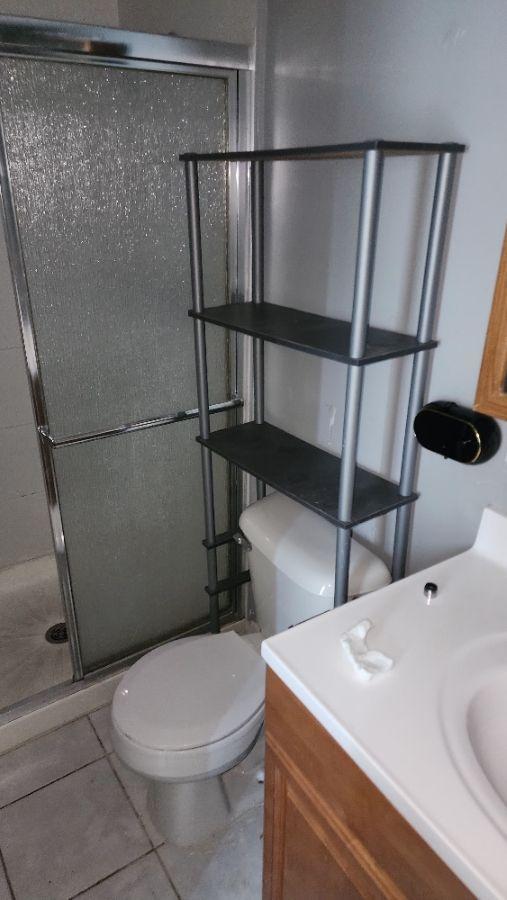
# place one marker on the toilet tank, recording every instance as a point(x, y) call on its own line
point(292, 563)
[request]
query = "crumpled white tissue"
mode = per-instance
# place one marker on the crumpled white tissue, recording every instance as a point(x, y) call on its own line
point(366, 663)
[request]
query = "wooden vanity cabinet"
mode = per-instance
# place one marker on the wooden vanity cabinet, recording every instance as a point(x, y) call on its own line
point(328, 831)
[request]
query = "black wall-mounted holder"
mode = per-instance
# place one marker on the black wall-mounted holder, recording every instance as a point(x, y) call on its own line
point(457, 432)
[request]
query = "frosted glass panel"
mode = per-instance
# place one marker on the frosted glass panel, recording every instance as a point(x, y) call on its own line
point(133, 519)
point(100, 199)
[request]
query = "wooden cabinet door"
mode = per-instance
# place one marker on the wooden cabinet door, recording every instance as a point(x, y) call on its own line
point(329, 834)
point(304, 858)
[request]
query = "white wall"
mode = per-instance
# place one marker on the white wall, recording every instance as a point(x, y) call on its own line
point(24, 522)
point(212, 20)
point(346, 70)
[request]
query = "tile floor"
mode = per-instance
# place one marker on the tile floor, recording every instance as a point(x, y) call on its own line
point(73, 823)
point(30, 602)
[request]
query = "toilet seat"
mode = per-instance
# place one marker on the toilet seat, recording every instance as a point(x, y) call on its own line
point(190, 709)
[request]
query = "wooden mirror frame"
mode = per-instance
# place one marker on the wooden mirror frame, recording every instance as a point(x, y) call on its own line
point(491, 396)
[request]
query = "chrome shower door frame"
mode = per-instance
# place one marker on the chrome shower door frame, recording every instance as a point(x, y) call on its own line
point(111, 47)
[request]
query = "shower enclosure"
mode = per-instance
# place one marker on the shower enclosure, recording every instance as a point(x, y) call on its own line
point(92, 123)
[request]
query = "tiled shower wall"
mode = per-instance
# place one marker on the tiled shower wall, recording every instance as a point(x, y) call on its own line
point(24, 522)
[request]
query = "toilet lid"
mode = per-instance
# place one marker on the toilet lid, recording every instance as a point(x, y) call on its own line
point(190, 693)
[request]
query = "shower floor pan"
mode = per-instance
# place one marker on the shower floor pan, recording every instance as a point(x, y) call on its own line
point(30, 603)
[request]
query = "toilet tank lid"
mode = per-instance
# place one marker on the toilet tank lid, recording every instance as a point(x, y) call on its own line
point(302, 545)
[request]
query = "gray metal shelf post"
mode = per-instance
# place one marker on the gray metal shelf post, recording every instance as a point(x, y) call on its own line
point(431, 283)
point(195, 243)
point(365, 262)
point(257, 233)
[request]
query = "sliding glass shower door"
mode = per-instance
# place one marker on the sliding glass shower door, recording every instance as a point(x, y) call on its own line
point(98, 197)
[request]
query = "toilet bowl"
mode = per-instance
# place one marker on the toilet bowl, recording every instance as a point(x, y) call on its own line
point(182, 715)
point(192, 709)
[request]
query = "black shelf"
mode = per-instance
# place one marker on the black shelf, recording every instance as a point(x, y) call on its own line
point(303, 472)
point(327, 151)
point(318, 335)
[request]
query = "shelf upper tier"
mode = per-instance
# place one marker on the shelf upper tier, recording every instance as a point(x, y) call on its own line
point(303, 472)
point(319, 335)
point(328, 151)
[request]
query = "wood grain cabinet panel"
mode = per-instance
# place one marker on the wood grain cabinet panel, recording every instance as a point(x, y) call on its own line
point(328, 831)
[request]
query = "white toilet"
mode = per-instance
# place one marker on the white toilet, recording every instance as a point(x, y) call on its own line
point(192, 709)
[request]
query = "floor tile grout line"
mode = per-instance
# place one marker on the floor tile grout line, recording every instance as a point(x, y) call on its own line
point(154, 847)
point(8, 880)
point(108, 755)
point(116, 872)
point(151, 849)
point(167, 873)
point(124, 789)
point(54, 781)
point(37, 737)
point(96, 733)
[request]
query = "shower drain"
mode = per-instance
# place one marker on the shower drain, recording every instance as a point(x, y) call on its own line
point(57, 634)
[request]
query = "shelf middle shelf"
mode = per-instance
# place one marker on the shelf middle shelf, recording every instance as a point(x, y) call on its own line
point(311, 333)
point(303, 472)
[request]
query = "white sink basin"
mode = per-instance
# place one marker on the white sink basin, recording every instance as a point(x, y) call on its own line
point(474, 720)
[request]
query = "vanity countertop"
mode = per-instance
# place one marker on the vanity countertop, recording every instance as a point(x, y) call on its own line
point(394, 726)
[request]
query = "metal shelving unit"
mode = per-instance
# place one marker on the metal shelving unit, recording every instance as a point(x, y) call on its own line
point(333, 487)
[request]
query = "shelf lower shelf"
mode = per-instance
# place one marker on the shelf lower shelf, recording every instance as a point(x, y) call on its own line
point(303, 472)
point(310, 333)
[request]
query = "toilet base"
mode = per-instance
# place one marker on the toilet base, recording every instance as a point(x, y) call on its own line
point(188, 812)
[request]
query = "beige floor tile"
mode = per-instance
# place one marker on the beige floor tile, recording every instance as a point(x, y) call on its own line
point(101, 721)
point(137, 789)
point(69, 835)
point(141, 880)
point(43, 760)
point(228, 867)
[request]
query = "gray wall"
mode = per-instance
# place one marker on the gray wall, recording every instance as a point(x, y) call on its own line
point(24, 523)
point(345, 70)
point(212, 20)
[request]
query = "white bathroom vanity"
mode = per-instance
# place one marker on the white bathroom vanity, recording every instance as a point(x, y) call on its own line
point(428, 737)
